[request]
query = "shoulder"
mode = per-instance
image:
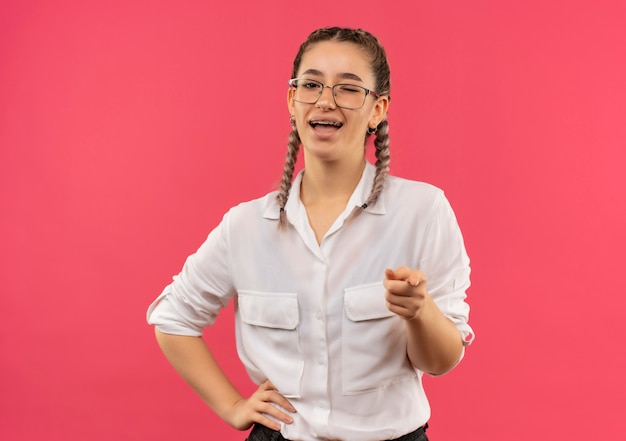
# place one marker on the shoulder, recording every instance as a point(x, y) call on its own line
point(416, 200)
point(417, 193)
point(262, 207)
point(251, 218)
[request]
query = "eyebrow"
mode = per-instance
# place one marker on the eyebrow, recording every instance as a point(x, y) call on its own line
point(343, 75)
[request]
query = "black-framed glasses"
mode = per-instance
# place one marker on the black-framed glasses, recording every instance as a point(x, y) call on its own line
point(346, 96)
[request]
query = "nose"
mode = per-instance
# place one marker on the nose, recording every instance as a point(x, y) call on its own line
point(326, 100)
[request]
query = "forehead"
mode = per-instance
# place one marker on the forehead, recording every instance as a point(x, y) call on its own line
point(335, 59)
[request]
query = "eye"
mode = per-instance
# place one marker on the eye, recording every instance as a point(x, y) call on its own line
point(349, 88)
point(309, 84)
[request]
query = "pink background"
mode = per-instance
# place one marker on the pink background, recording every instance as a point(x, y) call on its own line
point(126, 133)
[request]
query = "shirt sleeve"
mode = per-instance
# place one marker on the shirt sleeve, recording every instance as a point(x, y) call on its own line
point(446, 265)
point(196, 295)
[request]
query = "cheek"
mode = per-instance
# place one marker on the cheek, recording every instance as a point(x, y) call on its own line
point(361, 123)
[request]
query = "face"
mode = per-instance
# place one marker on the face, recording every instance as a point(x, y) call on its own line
point(329, 132)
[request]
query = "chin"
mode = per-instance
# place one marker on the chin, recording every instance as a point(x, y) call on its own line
point(322, 151)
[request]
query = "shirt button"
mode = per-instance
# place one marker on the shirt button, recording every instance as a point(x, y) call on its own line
point(320, 360)
point(318, 315)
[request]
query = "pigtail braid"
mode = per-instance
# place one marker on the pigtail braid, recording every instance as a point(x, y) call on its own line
point(382, 162)
point(293, 147)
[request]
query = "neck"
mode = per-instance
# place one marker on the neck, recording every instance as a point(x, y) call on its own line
point(330, 182)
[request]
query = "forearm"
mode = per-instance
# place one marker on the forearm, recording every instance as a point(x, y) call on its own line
point(434, 345)
point(193, 360)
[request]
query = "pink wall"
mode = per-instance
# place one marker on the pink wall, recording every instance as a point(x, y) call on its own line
point(125, 134)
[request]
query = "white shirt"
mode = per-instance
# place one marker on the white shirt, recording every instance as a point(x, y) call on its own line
point(312, 318)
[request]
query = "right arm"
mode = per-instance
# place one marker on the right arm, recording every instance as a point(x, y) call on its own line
point(193, 360)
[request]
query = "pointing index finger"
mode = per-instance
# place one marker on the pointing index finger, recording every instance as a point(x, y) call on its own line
point(412, 277)
point(401, 273)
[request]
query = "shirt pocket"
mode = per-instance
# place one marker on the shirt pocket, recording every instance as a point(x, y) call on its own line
point(269, 337)
point(373, 342)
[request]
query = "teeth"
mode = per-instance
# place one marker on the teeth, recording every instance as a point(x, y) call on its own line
point(327, 123)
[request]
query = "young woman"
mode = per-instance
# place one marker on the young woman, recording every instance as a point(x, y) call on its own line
point(348, 284)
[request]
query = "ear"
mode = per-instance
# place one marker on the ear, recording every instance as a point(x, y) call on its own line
point(379, 111)
point(290, 104)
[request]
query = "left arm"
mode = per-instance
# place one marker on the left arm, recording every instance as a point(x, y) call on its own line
point(434, 345)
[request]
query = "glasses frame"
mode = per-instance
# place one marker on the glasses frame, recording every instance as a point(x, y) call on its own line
point(293, 83)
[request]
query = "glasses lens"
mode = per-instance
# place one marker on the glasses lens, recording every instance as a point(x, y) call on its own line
point(349, 96)
point(307, 91)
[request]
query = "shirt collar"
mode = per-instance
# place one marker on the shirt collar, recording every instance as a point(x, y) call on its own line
point(295, 209)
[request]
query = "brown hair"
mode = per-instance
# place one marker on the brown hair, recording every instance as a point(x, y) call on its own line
point(380, 68)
